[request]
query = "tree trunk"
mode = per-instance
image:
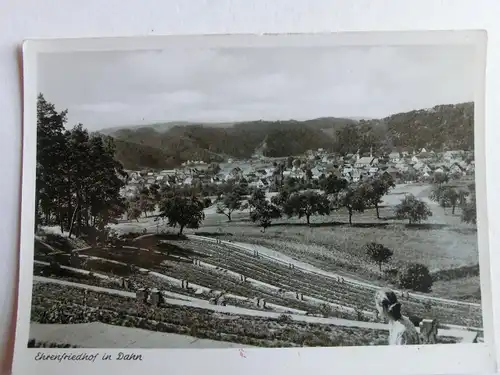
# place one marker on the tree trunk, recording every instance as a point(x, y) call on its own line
point(453, 210)
point(73, 217)
point(229, 216)
point(376, 209)
point(181, 229)
point(350, 216)
point(308, 219)
point(380, 266)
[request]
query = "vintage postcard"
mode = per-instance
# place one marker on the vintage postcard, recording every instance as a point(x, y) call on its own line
point(320, 194)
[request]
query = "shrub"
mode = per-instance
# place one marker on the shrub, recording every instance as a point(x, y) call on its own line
point(416, 277)
point(207, 202)
point(378, 253)
point(285, 318)
point(392, 274)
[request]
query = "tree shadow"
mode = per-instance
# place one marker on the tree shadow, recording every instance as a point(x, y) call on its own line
point(312, 225)
point(465, 230)
point(212, 234)
point(393, 217)
point(370, 225)
point(426, 226)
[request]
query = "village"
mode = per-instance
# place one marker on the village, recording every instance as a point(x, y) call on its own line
point(259, 171)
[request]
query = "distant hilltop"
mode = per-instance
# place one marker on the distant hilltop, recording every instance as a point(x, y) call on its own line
point(166, 145)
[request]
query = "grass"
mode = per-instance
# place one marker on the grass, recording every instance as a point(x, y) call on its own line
point(263, 270)
point(464, 289)
point(62, 305)
point(441, 243)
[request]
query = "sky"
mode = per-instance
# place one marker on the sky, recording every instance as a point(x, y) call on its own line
point(110, 89)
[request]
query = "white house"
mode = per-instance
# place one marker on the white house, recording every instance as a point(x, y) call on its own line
point(365, 162)
point(401, 166)
point(394, 157)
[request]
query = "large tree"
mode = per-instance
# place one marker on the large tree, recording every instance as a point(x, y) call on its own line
point(353, 199)
point(230, 202)
point(412, 209)
point(51, 153)
point(78, 179)
point(469, 211)
point(182, 211)
point(264, 213)
point(257, 198)
point(375, 189)
point(305, 204)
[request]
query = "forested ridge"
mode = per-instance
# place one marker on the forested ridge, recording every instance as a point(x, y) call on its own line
point(439, 128)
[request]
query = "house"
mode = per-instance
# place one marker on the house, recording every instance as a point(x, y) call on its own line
point(422, 167)
point(456, 169)
point(372, 171)
point(365, 162)
point(394, 157)
point(347, 170)
point(316, 172)
point(236, 173)
point(471, 168)
point(188, 180)
point(263, 183)
point(168, 172)
point(402, 166)
point(393, 172)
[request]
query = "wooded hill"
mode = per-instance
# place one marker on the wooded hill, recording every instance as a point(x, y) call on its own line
point(439, 128)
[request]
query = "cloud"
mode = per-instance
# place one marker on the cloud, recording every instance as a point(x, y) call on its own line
point(106, 107)
point(103, 89)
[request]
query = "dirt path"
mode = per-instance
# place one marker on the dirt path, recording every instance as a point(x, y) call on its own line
point(100, 335)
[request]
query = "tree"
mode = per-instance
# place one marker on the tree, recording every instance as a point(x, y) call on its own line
point(78, 178)
point(309, 174)
point(332, 185)
point(229, 203)
point(437, 193)
point(378, 253)
point(133, 210)
point(264, 213)
point(412, 209)
point(469, 212)
point(51, 150)
point(450, 198)
point(440, 178)
point(289, 162)
point(352, 198)
point(375, 189)
point(214, 168)
point(182, 211)
point(416, 277)
point(146, 201)
point(207, 202)
point(306, 204)
point(257, 198)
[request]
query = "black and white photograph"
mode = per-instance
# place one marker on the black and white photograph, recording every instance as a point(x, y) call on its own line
point(205, 197)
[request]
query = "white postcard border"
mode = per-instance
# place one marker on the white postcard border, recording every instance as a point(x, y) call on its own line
point(439, 359)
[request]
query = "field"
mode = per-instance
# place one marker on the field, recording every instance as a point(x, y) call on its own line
point(330, 243)
point(292, 285)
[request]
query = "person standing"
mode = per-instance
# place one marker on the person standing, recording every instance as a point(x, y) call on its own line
point(401, 329)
